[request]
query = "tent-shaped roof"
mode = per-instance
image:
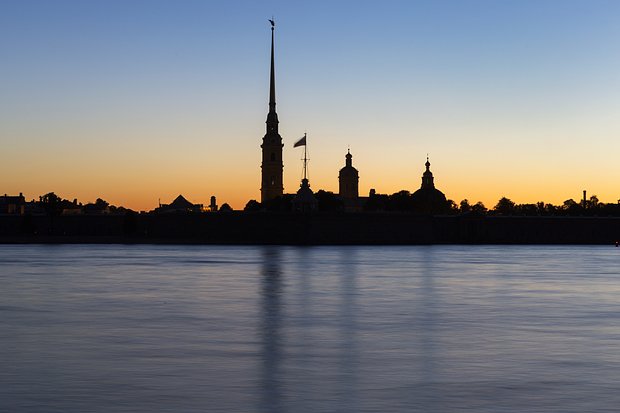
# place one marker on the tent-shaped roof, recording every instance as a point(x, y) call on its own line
point(181, 203)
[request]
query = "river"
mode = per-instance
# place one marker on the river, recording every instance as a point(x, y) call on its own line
point(142, 328)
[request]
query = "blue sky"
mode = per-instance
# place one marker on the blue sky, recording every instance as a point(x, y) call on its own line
point(139, 100)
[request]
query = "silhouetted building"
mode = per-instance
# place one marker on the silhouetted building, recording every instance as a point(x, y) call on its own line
point(213, 205)
point(429, 199)
point(272, 167)
point(67, 207)
point(348, 179)
point(179, 205)
point(14, 205)
point(304, 200)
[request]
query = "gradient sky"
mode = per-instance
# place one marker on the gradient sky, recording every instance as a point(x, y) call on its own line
point(134, 101)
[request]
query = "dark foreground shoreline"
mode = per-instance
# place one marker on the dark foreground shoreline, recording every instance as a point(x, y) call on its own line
point(311, 229)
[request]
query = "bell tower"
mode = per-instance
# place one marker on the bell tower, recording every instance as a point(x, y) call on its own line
point(427, 177)
point(272, 166)
point(348, 179)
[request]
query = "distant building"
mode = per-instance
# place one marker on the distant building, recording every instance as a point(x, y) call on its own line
point(213, 205)
point(348, 179)
point(179, 205)
point(14, 205)
point(272, 166)
point(348, 186)
point(429, 199)
point(70, 208)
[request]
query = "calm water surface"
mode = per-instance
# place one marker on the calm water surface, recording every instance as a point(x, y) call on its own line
point(322, 329)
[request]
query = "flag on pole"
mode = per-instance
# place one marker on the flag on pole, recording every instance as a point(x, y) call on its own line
point(301, 142)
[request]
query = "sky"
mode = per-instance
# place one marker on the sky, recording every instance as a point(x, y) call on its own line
point(140, 101)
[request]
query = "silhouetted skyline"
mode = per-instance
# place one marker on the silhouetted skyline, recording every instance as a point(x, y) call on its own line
point(133, 102)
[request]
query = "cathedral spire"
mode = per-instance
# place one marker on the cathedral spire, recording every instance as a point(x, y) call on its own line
point(272, 117)
point(271, 166)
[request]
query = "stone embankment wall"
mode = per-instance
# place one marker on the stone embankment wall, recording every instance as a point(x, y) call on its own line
point(313, 229)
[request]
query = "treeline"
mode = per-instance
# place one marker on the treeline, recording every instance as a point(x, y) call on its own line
point(570, 207)
point(52, 204)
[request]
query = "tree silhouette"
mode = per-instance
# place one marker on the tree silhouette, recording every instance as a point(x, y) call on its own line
point(593, 202)
point(464, 206)
point(400, 201)
point(50, 203)
point(452, 207)
point(100, 203)
point(328, 201)
point(572, 208)
point(505, 207)
point(479, 208)
point(252, 206)
point(527, 209)
point(226, 208)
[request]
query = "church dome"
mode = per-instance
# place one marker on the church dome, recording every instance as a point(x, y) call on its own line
point(429, 199)
point(348, 169)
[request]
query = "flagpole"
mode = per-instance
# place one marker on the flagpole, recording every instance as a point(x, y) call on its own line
point(305, 159)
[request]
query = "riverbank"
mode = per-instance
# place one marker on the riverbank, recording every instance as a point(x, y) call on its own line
point(311, 229)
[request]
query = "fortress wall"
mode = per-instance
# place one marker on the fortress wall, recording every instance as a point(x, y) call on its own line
point(318, 229)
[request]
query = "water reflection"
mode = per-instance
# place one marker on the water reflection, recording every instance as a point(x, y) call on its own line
point(271, 309)
point(283, 329)
point(349, 348)
point(303, 342)
point(310, 352)
point(427, 309)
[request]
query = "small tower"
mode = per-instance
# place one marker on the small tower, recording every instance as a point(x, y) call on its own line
point(428, 199)
point(427, 177)
point(213, 204)
point(348, 179)
point(271, 166)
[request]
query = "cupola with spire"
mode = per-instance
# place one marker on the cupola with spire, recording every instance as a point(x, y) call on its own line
point(428, 199)
point(427, 176)
point(348, 179)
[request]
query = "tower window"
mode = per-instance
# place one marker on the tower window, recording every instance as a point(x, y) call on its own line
point(273, 156)
point(273, 180)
